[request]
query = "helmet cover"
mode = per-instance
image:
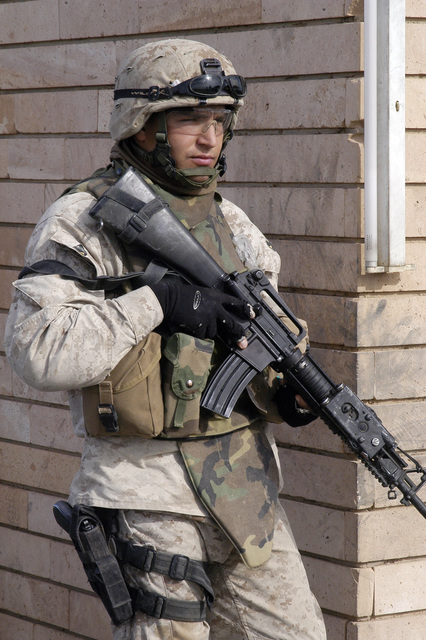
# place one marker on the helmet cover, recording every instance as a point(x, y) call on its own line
point(164, 63)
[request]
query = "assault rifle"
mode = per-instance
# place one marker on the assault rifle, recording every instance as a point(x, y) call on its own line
point(135, 213)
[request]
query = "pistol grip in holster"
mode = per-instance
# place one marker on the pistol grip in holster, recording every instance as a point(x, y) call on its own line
point(102, 569)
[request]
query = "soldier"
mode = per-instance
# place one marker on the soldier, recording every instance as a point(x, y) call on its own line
point(187, 499)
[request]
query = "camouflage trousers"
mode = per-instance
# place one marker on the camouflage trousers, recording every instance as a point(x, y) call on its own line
point(271, 602)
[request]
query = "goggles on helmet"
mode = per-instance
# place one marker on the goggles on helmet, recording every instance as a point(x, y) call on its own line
point(212, 83)
point(196, 121)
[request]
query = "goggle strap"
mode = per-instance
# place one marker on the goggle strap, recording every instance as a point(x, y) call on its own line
point(155, 93)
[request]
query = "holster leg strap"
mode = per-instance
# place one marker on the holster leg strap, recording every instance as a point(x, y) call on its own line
point(158, 606)
point(177, 567)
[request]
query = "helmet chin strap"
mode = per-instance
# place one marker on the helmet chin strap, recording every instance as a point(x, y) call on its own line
point(161, 157)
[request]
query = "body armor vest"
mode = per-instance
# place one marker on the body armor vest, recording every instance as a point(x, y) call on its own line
point(229, 461)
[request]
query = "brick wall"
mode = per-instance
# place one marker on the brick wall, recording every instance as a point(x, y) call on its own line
point(296, 167)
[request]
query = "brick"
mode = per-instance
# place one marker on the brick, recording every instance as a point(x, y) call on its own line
point(5, 377)
point(58, 112)
point(309, 104)
point(342, 589)
point(415, 99)
point(15, 420)
point(151, 17)
point(390, 534)
point(100, 18)
point(41, 160)
point(326, 266)
point(7, 113)
point(277, 11)
point(369, 536)
point(335, 627)
point(23, 465)
point(40, 425)
point(87, 614)
point(21, 551)
point(16, 18)
point(334, 266)
point(44, 633)
point(400, 374)
point(34, 599)
point(415, 203)
point(40, 515)
point(408, 589)
point(415, 9)
point(12, 627)
point(52, 427)
point(4, 151)
point(298, 47)
point(315, 436)
point(330, 533)
point(415, 49)
point(403, 316)
point(307, 158)
point(13, 242)
point(13, 506)
point(298, 210)
point(83, 156)
point(22, 202)
point(297, 50)
point(415, 156)
point(105, 105)
point(325, 479)
point(405, 421)
point(401, 626)
point(58, 65)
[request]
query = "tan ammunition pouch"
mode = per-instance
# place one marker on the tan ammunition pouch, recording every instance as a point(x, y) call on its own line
point(148, 398)
point(129, 401)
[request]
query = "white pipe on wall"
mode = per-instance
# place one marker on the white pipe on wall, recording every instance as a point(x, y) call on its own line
point(370, 132)
point(384, 134)
point(391, 134)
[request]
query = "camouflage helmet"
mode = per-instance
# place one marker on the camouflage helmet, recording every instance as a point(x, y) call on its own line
point(147, 82)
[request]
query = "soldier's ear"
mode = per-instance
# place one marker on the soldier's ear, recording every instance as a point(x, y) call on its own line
point(141, 135)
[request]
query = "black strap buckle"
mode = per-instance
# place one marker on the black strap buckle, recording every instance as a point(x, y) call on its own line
point(108, 417)
point(158, 608)
point(179, 567)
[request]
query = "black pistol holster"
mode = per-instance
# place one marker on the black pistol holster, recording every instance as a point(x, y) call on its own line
point(101, 562)
point(102, 569)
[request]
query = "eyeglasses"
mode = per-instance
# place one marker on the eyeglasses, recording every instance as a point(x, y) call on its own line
point(197, 121)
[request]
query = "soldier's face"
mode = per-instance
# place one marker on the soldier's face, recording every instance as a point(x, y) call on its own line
point(189, 150)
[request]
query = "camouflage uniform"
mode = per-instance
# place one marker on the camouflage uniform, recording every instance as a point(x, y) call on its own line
point(210, 494)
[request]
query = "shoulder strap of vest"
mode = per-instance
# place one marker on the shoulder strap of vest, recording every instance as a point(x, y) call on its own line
point(153, 274)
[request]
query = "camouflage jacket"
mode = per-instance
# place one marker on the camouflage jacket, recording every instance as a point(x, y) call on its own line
point(60, 336)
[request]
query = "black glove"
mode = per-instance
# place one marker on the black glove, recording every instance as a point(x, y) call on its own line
point(200, 311)
point(285, 399)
